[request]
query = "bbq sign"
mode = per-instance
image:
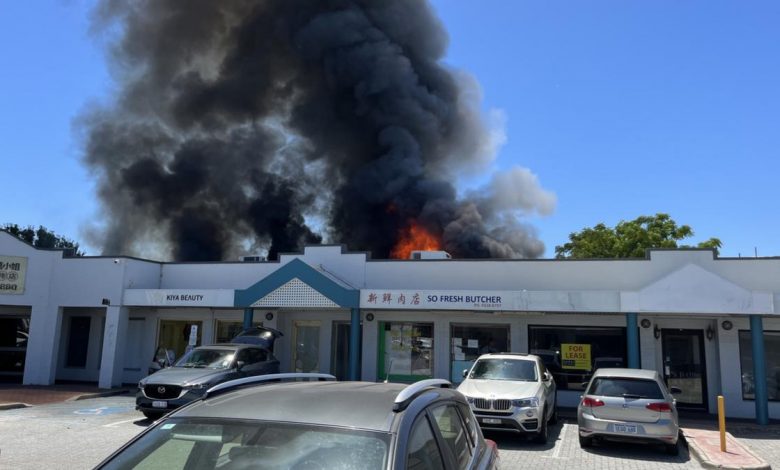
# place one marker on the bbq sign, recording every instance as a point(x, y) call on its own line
point(575, 356)
point(12, 273)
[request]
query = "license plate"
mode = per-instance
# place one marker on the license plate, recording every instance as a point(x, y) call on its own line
point(160, 404)
point(491, 421)
point(626, 428)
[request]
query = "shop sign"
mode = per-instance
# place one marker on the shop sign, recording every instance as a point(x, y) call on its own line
point(575, 356)
point(436, 300)
point(180, 297)
point(12, 273)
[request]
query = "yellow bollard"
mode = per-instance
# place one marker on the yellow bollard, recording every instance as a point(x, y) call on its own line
point(722, 422)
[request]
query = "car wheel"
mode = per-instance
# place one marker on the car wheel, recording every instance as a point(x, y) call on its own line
point(541, 437)
point(672, 449)
point(153, 415)
point(586, 442)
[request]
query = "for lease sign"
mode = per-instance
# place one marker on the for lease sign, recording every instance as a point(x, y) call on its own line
point(575, 356)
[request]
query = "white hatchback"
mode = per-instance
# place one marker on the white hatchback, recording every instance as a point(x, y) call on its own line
point(511, 392)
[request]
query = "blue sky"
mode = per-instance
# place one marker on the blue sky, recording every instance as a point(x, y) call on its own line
point(620, 108)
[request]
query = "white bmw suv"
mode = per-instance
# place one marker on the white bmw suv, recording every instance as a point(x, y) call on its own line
point(511, 392)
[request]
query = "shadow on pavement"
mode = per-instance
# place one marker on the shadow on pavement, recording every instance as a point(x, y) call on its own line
point(512, 441)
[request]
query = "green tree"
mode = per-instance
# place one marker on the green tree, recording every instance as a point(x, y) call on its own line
point(43, 238)
point(629, 239)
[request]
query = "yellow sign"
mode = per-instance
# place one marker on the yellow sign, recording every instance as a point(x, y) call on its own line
point(12, 272)
point(575, 356)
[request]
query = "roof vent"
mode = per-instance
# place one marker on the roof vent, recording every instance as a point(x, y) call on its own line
point(252, 259)
point(422, 254)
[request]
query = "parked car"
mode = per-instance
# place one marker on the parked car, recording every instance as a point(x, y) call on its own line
point(274, 422)
point(250, 354)
point(628, 405)
point(511, 392)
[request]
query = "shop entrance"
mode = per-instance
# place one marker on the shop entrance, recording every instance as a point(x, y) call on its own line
point(339, 360)
point(405, 351)
point(14, 331)
point(306, 346)
point(175, 334)
point(685, 367)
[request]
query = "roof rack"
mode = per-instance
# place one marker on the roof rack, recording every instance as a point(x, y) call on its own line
point(230, 384)
point(410, 393)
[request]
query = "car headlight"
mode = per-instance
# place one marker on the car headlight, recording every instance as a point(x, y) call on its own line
point(470, 399)
point(526, 402)
point(195, 386)
point(141, 385)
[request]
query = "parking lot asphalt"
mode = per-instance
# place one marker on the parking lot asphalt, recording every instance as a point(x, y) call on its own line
point(563, 452)
point(79, 434)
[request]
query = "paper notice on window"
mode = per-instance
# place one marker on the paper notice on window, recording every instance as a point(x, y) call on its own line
point(473, 343)
point(457, 341)
point(460, 356)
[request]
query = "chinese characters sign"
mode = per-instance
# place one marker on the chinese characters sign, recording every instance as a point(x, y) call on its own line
point(575, 356)
point(433, 300)
point(12, 273)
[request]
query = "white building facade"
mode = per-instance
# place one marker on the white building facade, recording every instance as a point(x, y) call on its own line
point(710, 326)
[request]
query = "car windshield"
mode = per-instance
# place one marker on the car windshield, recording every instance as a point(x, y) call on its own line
point(207, 359)
point(625, 387)
point(245, 444)
point(504, 369)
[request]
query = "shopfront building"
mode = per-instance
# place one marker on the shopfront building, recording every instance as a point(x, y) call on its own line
point(709, 325)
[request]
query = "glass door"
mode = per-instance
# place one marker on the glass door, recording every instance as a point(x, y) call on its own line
point(175, 335)
point(405, 351)
point(306, 346)
point(339, 359)
point(685, 367)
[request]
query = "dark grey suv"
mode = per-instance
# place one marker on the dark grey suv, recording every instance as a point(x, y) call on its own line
point(265, 423)
point(248, 355)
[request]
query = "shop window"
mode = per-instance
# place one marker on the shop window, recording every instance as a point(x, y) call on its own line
point(406, 351)
point(227, 330)
point(573, 353)
point(772, 362)
point(468, 342)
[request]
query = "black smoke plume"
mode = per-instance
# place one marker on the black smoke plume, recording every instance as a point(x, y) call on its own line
point(241, 126)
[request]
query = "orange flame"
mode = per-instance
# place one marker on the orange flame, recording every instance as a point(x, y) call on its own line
point(414, 237)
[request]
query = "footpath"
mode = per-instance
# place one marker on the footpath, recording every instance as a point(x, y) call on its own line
point(21, 396)
point(702, 436)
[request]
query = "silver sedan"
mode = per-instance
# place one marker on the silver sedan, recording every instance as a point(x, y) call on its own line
point(628, 405)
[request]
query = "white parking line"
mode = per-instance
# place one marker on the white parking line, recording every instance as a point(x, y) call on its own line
point(559, 442)
point(121, 422)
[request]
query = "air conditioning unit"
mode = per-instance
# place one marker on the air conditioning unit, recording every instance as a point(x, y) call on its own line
point(252, 259)
point(430, 254)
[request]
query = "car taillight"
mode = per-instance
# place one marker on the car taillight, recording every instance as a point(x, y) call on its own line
point(592, 402)
point(660, 406)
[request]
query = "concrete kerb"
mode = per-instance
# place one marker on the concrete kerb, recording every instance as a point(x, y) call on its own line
point(704, 459)
point(107, 393)
point(13, 406)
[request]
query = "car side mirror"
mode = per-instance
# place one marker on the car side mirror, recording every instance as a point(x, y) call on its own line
point(465, 373)
point(584, 385)
point(240, 365)
point(675, 390)
point(547, 376)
